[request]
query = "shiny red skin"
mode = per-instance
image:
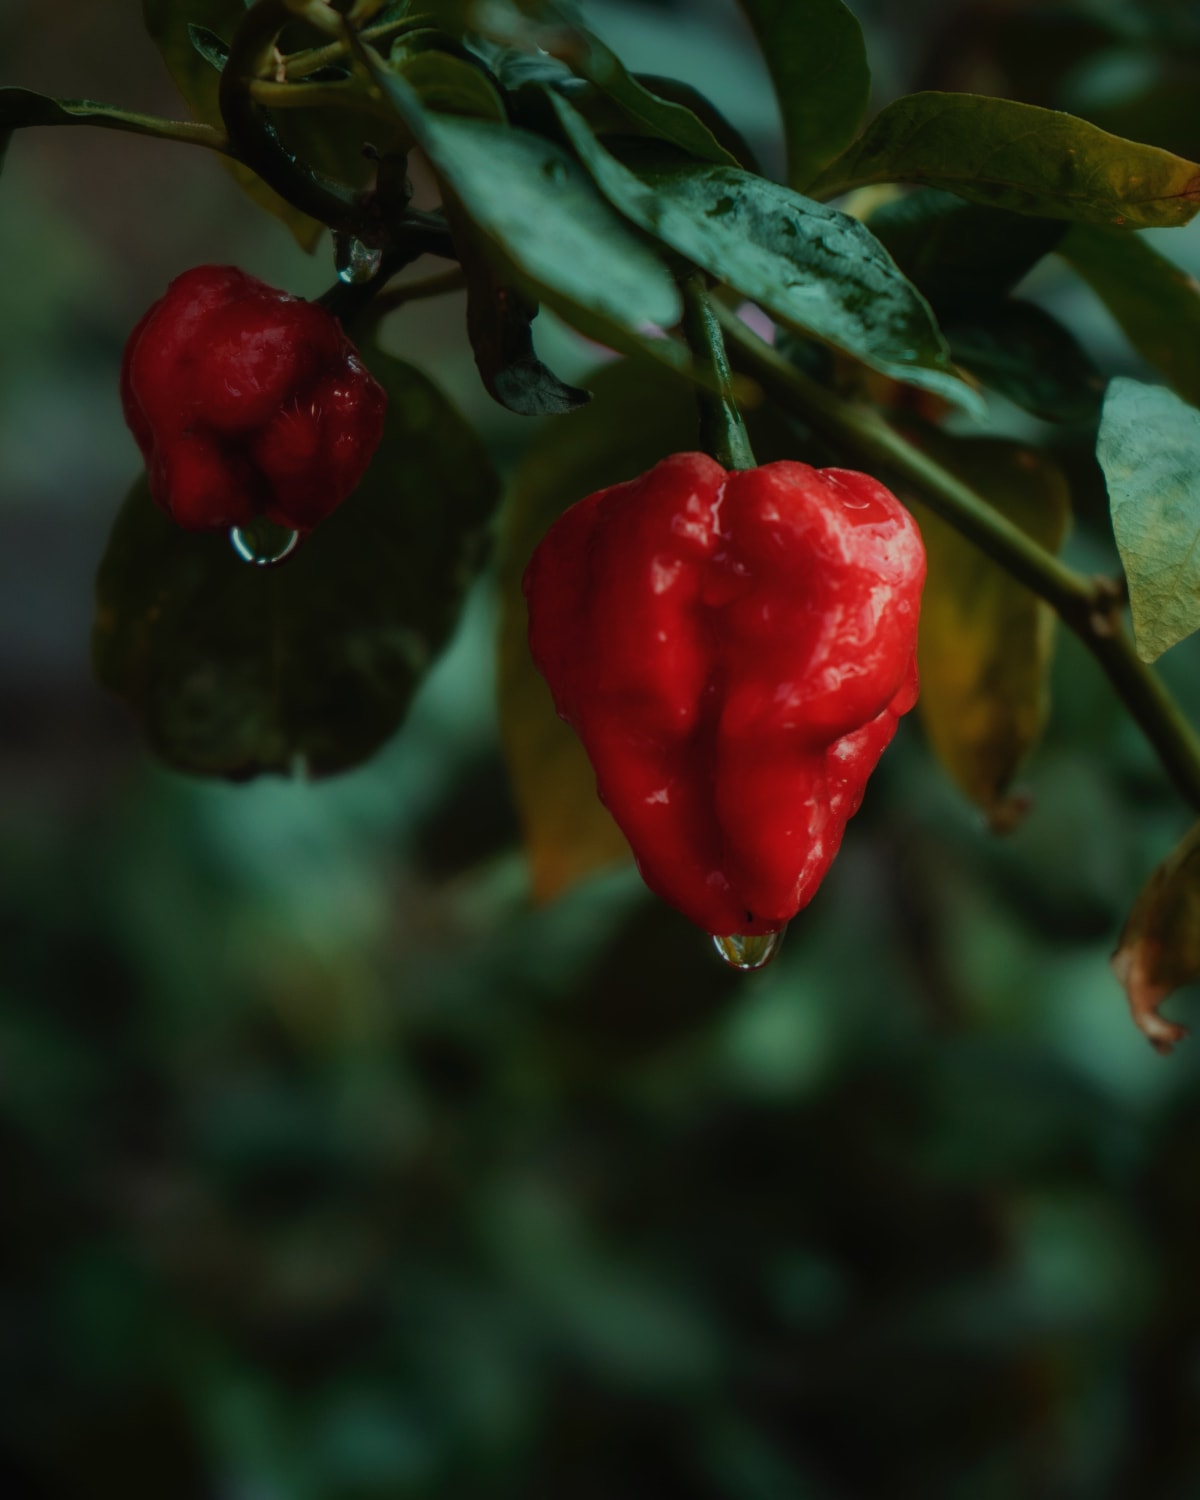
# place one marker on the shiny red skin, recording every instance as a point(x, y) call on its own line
point(734, 650)
point(246, 401)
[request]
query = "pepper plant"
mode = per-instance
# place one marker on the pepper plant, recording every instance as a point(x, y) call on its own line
point(861, 315)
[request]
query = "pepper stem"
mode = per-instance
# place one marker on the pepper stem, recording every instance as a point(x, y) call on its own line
point(722, 431)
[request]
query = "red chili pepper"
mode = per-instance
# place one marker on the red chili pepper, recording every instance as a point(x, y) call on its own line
point(734, 651)
point(246, 401)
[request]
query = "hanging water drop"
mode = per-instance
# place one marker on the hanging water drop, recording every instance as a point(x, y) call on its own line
point(746, 953)
point(262, 543)
point(355, 261)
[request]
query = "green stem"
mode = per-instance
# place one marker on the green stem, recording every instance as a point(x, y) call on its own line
point(188, 132)
point(317, 96)
point(1088, 606)
point(301, 64)
point(253, 139)
point(722, 431)
point(1149, 702)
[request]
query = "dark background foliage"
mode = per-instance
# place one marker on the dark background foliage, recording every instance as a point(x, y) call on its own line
point(331, 1169)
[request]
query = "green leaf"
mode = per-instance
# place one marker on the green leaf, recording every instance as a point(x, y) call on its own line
point(448, 85)
point(169, 24)
point(1159, 949)
point(235, 670)
point(1024, 354)
point(500, 326)
point(727, 135)
point(814, 268)
point(1149, 449)
point(985, 640)
point(1019, 157)
point(664, 118)
point(956, 252)
point(543, 220)
point(568, 832)
point(1156, 303)
point(209, 45)
point(817, 59)
point(22, 107)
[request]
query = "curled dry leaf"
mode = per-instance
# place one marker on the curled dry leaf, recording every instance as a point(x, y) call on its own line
point(1159, 948)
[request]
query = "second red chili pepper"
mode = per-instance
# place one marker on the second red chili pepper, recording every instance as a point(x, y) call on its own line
point(734, 651)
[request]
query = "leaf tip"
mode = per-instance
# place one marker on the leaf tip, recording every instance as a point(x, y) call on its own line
point(1147, 650)
point(1133, 966)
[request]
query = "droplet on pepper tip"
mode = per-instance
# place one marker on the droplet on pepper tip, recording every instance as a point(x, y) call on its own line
point(749, 952)
point(262, 544)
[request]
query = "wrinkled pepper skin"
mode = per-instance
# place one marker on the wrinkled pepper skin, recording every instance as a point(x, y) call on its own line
point(734, 651)
point(246, 401)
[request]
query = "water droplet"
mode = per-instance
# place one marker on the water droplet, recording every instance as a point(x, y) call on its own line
point(555, 170)
point(262, 543)
point(355, 261)
point(746, 953)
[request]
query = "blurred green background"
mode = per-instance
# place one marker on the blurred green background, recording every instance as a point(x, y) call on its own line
point(332, 1171)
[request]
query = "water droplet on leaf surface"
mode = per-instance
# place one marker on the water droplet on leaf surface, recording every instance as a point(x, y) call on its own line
point(755, 952)
point(355, 261)
point(262, 543)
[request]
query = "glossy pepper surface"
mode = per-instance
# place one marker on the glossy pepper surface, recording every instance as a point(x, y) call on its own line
point(734, 651)
point(246, 401)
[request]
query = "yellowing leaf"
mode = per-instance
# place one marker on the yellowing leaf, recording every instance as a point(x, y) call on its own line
point(1019, 157)
point(986, 641)
point(1160, 945)
point(1149, 449)
point(568, 832)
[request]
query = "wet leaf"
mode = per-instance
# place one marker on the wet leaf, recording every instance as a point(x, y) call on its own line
point(817, 59)
point(235, 670)
point(814, 268)
point(1019, 157)
point(568, 833)
point(1156, 303)
point(1149, 449)
point(1159, 948)
point(985, 640)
